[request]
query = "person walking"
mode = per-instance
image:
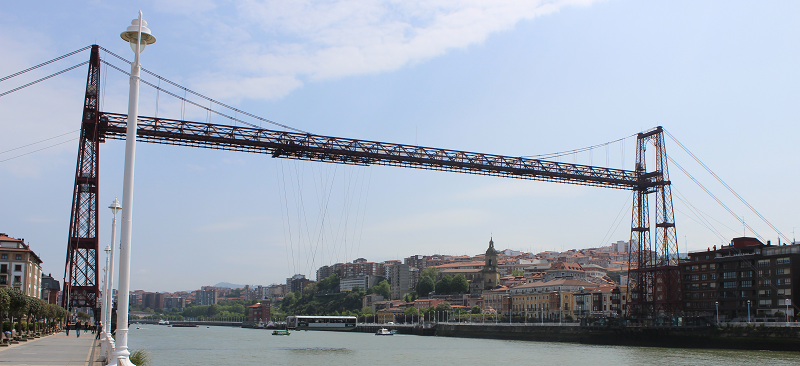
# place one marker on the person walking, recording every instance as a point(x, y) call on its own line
point(78, 328)
point(67, 328)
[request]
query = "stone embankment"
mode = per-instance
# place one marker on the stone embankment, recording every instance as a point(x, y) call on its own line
point(732, 337)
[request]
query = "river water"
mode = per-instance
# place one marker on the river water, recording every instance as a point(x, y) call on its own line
point(224, 346)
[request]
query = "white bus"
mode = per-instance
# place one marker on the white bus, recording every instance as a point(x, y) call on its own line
point(305, 322)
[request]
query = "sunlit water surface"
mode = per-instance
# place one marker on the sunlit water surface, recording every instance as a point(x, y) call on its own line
point(225, 346)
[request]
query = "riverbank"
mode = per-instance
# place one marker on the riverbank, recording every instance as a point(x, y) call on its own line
point(733, 337)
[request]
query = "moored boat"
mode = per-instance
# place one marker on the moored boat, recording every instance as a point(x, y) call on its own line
point(280, 332)
point(384, 331)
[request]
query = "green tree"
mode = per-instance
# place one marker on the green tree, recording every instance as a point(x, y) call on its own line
point(443, 306)
point(425, 286)
point(382, 288)
point(213, 310)
point(5, 306)
point(476, 309)
point(328, 284)
point(83, 316)
point(18, 304)
point(459, 284)
point(443, 286)
point(366, 310)
point(517, 272)
point(411, 311)
point(431, 272)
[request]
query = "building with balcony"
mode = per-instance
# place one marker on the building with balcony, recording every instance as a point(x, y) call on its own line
point(20, 267)
point(744, 277)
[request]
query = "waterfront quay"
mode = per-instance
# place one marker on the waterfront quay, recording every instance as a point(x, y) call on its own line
point(56, 349)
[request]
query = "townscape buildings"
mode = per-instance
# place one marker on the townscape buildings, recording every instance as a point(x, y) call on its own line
point(747, 278)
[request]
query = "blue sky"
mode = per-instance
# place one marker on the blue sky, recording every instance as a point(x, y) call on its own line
point(505, 77)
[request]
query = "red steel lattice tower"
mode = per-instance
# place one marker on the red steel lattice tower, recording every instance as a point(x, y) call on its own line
point(654, 278)
point(80, 273)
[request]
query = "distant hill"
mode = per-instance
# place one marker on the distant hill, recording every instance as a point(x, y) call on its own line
point(228, 285)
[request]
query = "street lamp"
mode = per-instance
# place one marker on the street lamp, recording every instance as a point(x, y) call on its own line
point(115, 208)
point(138, 35)
point(102, 332)
point(748, 311)
point(716, 303)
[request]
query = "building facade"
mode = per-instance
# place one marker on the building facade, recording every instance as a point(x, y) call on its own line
point(20, 267)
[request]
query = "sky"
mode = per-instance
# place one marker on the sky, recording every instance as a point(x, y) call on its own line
point(516, 78)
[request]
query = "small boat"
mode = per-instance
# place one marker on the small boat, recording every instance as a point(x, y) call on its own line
point(280, 332)
point(384, 331)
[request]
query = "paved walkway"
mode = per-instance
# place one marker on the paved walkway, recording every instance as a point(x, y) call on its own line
point(57, 349)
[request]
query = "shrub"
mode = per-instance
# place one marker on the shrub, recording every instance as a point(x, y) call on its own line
point(140, 357)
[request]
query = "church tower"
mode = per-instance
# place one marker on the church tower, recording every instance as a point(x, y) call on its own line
point(491, 277)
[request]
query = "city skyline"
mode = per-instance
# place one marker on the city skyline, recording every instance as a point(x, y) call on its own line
point(509, 78)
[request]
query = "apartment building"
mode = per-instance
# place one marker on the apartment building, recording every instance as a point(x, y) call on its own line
point(20, 267)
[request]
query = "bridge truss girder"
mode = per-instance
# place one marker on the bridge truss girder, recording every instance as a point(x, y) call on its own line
point(655, 286)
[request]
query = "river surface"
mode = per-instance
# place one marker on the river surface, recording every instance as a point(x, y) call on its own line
point(227, 346)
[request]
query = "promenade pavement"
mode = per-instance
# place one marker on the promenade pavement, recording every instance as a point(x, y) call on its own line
point(56, 349)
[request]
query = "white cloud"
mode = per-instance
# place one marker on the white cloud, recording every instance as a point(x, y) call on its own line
point(273, 47)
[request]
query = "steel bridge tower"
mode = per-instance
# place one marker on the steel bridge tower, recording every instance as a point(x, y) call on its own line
point(654, 279)
point(80, 272)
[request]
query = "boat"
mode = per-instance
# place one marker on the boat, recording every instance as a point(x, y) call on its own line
point(384, 331)
point(280, 332)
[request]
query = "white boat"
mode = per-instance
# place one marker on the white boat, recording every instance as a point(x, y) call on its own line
point(384, 331)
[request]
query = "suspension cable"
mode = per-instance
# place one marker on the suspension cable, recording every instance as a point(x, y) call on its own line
point(44, 63)
point(38, 142)
point(569, 152)
point(201, 96)
point(726, 185)
point(714, 197)
point(43, 79)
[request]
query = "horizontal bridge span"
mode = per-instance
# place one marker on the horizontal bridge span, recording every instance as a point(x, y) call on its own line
point(293, 145)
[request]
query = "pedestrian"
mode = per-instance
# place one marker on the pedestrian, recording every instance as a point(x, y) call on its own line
point(67, 328)
point(97, 329)
point(78, 328)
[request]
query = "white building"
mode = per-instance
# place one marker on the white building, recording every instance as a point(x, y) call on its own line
point(20, 267)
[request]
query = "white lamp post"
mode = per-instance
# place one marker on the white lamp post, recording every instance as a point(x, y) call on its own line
point(103, 313)
point(138, 35)
point(748, 311)
point(109, 298)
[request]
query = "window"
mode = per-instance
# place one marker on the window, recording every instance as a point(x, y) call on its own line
point(712, 266)
point(729, 275)
point(704, 277)
point(730, 284)
point(695, 277)
point(3, 268)
point(782, 271)
point(712, 276)
point(784, 291)
point(17, 280)
point(4, 256)
point(747, 283)
point(17, 268)
point(694, 268)
point(18, 257)
point(784, 281)
point(747, 274)
point(784, 302)
point(764, 282)
point(764, 303)
point(3, 280)
point(783, 260)
point(764, 293)
point(703, 267)
point(763, 262)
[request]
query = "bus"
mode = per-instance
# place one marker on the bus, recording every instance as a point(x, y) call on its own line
point(306, 322)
